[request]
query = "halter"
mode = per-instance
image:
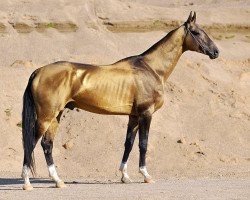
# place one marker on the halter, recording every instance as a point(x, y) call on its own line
point(197, 42)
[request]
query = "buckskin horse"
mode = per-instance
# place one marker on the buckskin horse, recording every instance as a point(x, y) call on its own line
point(133, 86)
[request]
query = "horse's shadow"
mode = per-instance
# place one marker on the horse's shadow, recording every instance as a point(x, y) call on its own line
point(16, 183)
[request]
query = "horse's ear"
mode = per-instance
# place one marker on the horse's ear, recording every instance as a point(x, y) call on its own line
point(194, 17)
point(189, 18)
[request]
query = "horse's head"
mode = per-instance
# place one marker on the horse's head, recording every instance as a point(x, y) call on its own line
point(197, 40)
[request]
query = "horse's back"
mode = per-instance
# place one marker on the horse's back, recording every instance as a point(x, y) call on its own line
point(56, 75)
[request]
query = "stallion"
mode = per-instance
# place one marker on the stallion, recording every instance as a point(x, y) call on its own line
point(133, 86)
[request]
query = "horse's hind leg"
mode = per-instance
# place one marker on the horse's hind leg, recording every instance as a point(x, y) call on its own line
point(40, 130)
point(131, 133)
point(26, 169)
point(47, 145)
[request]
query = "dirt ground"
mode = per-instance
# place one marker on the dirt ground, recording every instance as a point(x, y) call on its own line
point(209, 189)
point(207, 102)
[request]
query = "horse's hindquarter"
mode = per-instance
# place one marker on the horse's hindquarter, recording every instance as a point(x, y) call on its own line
point(105, 89)
point(52, 88)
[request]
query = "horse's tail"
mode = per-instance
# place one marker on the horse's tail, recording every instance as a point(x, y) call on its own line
point(29, 125)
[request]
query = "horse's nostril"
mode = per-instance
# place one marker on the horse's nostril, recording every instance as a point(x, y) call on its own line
point(216, 52)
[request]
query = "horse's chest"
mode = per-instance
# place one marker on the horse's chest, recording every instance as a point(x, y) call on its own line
point(150, 97)
point(158, 98)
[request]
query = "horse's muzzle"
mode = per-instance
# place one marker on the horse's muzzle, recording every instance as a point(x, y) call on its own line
point(214, 54)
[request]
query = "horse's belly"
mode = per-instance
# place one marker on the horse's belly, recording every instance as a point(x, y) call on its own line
point(105, 102)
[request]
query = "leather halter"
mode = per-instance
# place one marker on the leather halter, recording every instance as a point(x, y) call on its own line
point(192, 35)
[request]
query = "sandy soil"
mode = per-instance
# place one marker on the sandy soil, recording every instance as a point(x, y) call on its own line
point(207, 104)
point(209, 189)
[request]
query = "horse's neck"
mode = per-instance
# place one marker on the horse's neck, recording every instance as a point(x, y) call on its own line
point(163, 56)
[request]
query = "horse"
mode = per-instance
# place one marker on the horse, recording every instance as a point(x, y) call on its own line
point(133, 86)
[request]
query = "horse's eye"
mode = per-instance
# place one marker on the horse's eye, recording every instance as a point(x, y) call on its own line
point(195, 32)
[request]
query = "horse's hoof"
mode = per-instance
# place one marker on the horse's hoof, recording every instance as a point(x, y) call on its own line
point(27, 187)
point(149, 180)
point(126, 180)
point(60, 184)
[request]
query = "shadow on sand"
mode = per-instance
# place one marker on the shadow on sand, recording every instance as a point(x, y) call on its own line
point(19, 181)
point(16, 183)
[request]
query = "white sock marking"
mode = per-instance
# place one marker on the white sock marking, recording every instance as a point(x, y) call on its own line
point(53, 173)
point(144, 172)
point(25, 174)
point(123, 169)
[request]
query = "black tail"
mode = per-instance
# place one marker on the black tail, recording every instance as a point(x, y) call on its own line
point(28, 125)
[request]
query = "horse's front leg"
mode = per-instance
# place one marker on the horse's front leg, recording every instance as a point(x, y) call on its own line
point(131, 133)
point(144, 125)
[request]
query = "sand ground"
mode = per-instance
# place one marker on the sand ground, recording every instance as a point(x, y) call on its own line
point(209, 189)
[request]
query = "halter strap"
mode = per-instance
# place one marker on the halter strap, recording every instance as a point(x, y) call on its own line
point(197, 42)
